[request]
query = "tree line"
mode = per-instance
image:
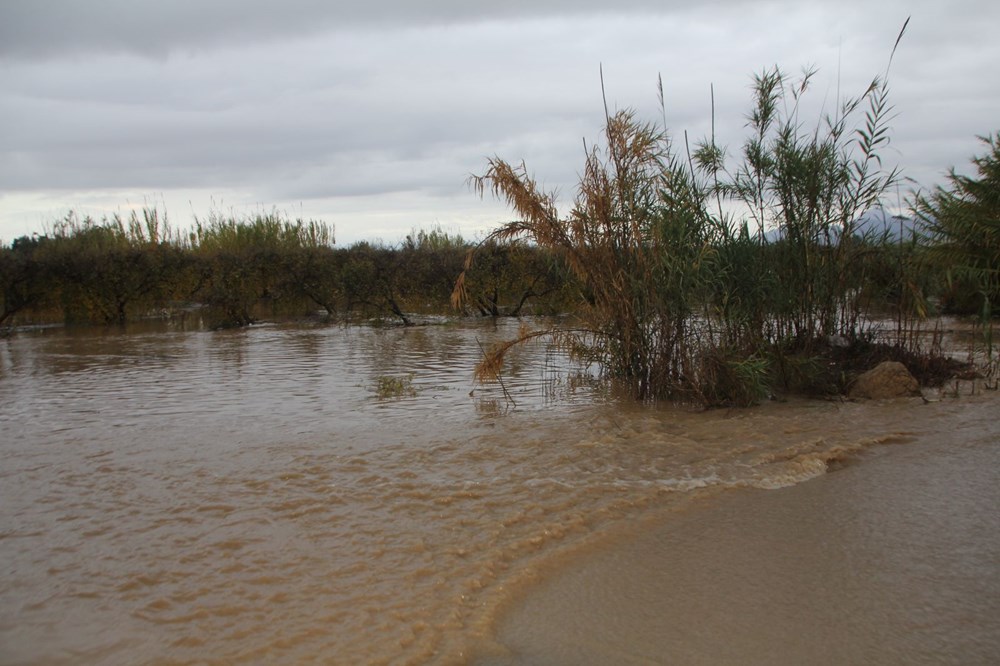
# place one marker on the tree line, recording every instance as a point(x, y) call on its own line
point(119, 269)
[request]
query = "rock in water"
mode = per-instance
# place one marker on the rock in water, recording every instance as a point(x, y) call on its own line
point(889, 379)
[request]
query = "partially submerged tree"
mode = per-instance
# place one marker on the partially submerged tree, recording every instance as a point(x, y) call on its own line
point(265, 258)
point(510, 279)
point(23, 283)
point(109, 271)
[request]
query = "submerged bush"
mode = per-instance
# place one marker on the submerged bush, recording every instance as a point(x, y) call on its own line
point(393, 388)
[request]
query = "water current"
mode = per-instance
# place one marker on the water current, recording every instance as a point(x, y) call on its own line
point(176, 496)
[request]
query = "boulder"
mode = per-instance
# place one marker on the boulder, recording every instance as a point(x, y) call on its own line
point(889, 379)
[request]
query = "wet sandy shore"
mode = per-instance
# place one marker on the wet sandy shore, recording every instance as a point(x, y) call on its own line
point(892, 559)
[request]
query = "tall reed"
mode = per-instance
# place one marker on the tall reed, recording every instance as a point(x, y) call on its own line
point(636, 241)
point(696, 272)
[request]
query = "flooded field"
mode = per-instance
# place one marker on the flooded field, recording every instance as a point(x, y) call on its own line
point(258, 496)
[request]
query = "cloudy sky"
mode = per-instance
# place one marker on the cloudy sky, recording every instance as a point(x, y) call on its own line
point(371, 115)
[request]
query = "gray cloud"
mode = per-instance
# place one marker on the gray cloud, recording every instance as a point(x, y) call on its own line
point(42, 27)
point(325, 101)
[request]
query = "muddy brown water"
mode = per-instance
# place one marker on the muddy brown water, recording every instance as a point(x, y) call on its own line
point(195, 497)
point(892, 557)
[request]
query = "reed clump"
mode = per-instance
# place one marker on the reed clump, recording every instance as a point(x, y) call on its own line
point(637, 247)
point(707, 277)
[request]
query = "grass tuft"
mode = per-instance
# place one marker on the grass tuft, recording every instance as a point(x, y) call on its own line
point(389, 387)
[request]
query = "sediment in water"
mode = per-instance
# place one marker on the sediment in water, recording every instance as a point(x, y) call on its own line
point(193, 496)
point(891, 561)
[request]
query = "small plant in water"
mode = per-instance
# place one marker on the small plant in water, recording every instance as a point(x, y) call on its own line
point(392, 388)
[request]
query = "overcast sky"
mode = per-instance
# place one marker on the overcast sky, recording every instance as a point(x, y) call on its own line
point(371, 115)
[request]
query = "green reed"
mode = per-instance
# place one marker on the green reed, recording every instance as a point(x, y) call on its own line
point(701, 274)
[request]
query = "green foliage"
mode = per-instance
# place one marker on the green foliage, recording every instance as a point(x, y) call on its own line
point(734, 380)
point(22, 281)
point(264, 258)
point(963, 231)
point(694, 271)
point(113, 270)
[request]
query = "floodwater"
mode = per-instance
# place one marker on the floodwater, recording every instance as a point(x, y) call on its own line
point(175, 496)
point(892, 557)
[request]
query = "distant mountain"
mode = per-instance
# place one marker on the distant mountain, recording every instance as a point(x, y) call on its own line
point(874, 223)
point(895, 227)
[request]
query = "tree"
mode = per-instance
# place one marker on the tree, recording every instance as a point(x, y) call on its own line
point(312, 268)
point(507, 279)
point(21, 277)
point(111, 269)
point(373, 279)
point(962, 225)
point(266, 258)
